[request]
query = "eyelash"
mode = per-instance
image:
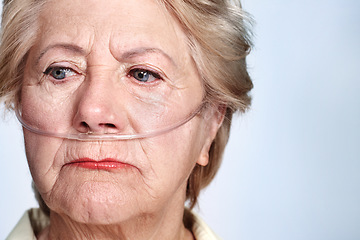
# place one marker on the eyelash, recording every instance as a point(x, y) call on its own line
point(130, 73)
point(64, 70)
point(145, 72)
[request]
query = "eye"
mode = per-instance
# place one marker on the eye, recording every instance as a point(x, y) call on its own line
point(59, 73)
point(143, 75)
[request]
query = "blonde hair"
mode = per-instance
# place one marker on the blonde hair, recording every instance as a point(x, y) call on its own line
point(18, 34)
point(219, 39)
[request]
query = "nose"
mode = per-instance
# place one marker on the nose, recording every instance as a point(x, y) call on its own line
point(98, 110)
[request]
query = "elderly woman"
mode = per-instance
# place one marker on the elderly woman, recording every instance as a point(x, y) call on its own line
point(126, 108)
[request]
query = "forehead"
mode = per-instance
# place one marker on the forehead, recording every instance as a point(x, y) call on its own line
point(116, 24)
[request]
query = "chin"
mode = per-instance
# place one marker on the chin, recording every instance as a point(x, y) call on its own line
point(97, 203)
point(103, 215)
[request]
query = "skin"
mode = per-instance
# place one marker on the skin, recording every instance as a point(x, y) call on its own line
point(145, 198)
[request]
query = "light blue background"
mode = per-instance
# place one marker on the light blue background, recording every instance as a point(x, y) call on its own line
point(291, 168)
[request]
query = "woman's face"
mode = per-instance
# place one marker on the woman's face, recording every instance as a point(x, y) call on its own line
point(112, 67)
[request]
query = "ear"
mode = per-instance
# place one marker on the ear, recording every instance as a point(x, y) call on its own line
point(213, 120)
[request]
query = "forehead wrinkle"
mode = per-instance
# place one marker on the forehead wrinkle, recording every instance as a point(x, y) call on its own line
point(65, 46)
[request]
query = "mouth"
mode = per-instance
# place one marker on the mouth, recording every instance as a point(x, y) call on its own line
point(104, 164)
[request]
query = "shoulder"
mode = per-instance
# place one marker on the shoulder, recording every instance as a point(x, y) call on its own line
point(33, 221)
point(198, 227)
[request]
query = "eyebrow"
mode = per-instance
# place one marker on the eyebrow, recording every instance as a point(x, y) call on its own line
point(125, 56)
point(66, 46)
point(143, 51)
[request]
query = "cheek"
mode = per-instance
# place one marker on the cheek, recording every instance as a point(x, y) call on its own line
point(174, 155)
point(38, 114)
point(40, 153)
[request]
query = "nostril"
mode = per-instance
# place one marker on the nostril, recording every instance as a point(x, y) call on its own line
point(108, 125)
point(103, 126)
point(96, 127)
point(84, 125)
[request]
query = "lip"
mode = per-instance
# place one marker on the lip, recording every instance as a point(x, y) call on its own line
point(103, 164)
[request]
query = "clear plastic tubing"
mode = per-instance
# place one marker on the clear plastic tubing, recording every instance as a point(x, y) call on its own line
point(90, 136)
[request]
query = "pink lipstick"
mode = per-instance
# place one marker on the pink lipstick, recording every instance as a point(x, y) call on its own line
point(104, 164)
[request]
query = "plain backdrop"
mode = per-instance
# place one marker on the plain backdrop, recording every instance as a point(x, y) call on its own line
point(292, 166)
